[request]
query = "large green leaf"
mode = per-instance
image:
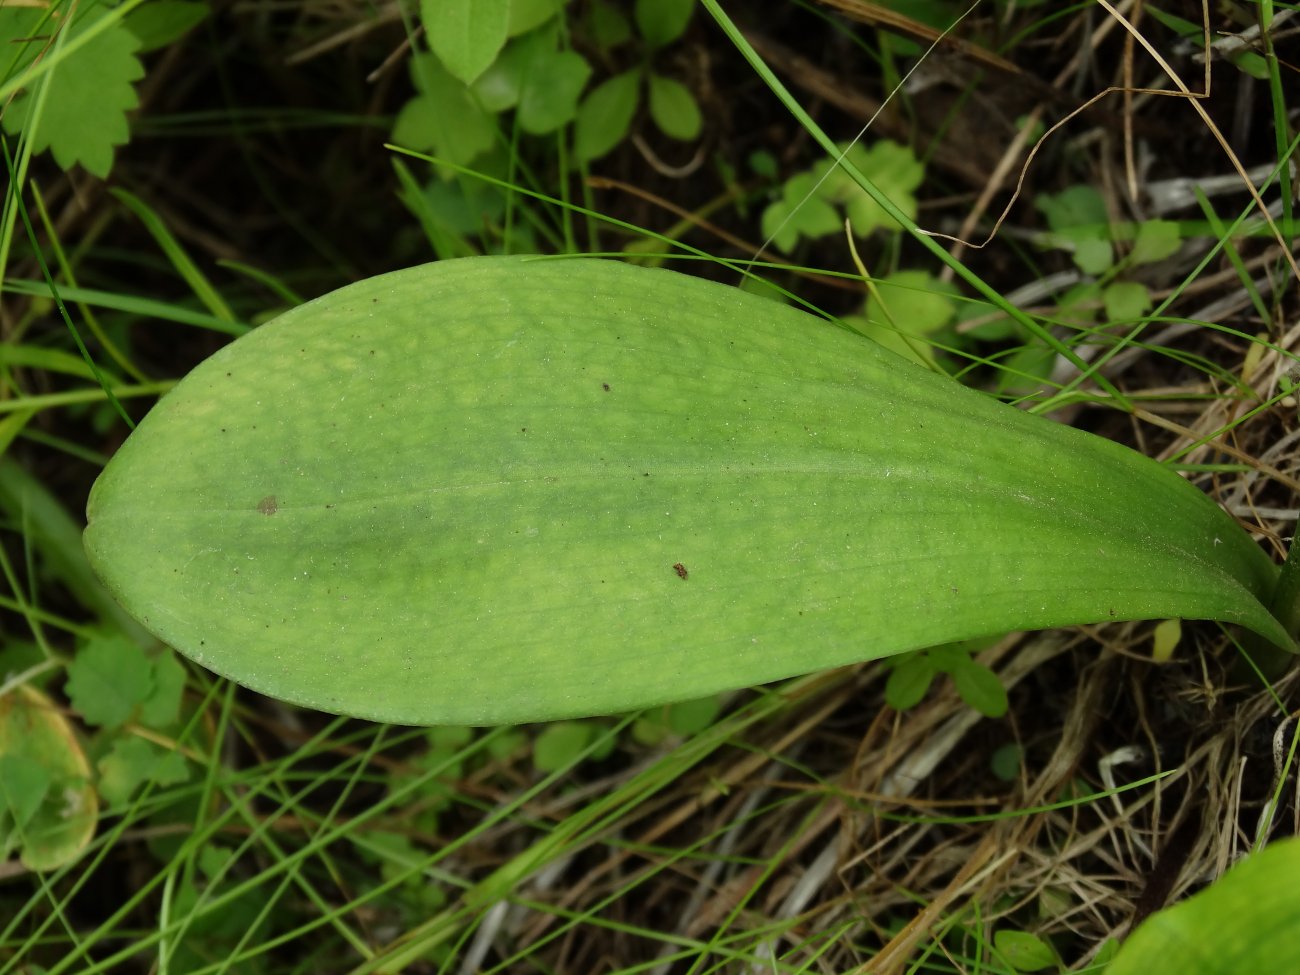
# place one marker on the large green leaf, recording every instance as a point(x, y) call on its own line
point(498, 489)
point(1245, 923)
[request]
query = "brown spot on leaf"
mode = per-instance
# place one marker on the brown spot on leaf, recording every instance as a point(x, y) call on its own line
point(268, 505)
point(680, 570)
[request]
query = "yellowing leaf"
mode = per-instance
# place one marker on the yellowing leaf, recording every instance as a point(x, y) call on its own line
point(47, 805)
point(1164, 641)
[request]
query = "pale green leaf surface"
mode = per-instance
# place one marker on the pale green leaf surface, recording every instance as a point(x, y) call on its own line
point(86, 100)
point(466, 35)
point(108, 678)
point(1243, 923)
point(414, 499)
point(673, 108)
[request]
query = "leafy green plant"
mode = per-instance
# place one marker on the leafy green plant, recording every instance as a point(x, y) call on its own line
point(508, 489)
point(911, 676)
point(814, 203)
point(1245, 922)
point(74, 68)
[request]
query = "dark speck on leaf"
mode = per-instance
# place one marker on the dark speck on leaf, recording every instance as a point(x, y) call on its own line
point(267, 505)
point(605, 387)
point(680, 570)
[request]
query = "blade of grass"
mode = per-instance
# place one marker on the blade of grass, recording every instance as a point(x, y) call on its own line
point(177, 254)
point(760, 67)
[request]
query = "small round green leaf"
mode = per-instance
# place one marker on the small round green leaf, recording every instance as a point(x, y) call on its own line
point(606, 114)
point(663, 21)
point(908, 681)
point(1026, 952)
point(674, 109)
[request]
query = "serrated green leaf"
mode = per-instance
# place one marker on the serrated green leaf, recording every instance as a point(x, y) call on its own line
point(1072, 208)
point(661, 22)
point(163, 705)
point(160, 22)
point(108, 678)
point(459, 494)
point(606, 114)
point(86, 100)
point(1245, 922)
point(1078, 216)
point(896, 172)
point(674, 109)
point(134, 762)
point(467, 35)
point(799, 212)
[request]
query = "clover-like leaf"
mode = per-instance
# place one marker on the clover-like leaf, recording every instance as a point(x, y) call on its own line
point(108, 678)
point(443, 118)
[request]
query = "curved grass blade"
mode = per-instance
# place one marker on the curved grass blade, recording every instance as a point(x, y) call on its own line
point(502, 489)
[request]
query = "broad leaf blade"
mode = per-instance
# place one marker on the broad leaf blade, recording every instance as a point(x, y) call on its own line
point(500, 489)
point(1244, 922)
